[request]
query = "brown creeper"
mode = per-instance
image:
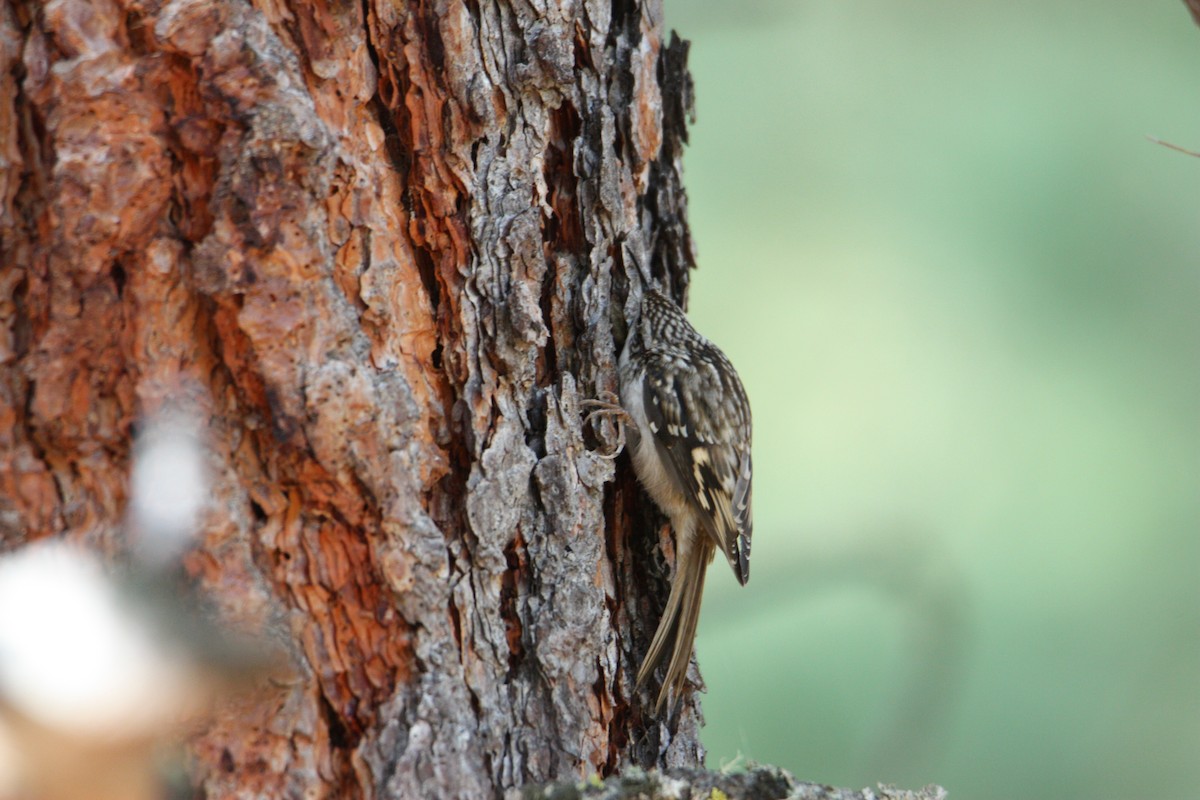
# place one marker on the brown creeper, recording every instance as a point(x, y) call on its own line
point(691, 451)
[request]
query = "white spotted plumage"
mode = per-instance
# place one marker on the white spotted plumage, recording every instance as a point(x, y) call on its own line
point(691, 451)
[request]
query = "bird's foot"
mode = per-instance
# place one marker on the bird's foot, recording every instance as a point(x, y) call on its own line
point(612, 409)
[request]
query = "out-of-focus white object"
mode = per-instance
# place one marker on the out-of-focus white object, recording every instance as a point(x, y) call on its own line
point(90, 689)
point(75, 657)
point(100, 667)
point(168, 488)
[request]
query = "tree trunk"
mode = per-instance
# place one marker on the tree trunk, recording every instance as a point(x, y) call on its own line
point(388, 247)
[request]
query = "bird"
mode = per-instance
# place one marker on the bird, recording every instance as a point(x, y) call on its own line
point(690, 447)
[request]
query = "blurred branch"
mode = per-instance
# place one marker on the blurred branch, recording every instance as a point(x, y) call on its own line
point(1194, 7)
point(760, 782)
point(914, 572)
point(1171, 146)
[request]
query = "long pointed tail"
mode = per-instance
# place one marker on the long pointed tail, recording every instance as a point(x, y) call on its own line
point(678, 623)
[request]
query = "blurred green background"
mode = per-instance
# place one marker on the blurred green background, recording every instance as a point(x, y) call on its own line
point(961, 288)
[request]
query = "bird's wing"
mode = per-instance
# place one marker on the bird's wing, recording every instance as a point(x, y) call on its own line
point(701, 420)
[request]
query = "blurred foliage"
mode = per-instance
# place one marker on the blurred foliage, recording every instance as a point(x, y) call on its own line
point(960, 286)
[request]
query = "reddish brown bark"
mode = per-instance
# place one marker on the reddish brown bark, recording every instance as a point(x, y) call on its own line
point(386, 245)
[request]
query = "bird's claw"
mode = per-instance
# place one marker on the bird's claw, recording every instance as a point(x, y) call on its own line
point(608, 408)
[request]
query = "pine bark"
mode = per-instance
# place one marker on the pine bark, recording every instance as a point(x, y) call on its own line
point(387, 246)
